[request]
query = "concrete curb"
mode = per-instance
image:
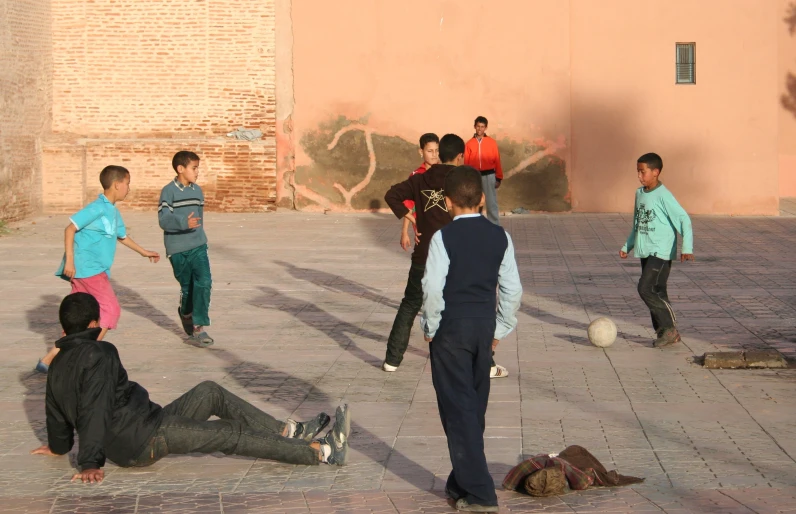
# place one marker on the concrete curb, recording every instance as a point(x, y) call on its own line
point(756, 359)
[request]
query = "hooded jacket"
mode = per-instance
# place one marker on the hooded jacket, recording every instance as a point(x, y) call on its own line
point(88, 391)
point(427, 190)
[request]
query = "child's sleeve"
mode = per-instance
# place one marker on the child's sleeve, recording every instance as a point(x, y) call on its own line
point(437, 265)
point(169, 221)
point(396, 196)
point(85, 216)
point(680, 221)
point(509, 293)
point(631, 239)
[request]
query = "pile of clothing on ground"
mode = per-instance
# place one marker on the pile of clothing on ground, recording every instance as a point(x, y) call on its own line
point(551, 475)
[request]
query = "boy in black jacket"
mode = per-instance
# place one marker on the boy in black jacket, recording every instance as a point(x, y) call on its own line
point(427, 191)
point(88, 391)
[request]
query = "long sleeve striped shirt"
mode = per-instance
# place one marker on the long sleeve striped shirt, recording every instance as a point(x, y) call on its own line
point(177, 202)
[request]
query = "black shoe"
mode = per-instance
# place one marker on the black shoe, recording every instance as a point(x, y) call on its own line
point(187, 322)
point(463, 505)
point(337, 438)
point(307, 430)
point(667, 337)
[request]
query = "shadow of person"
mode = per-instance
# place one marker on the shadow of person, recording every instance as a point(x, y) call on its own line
point(341, 332)
point(132, 301)
point(33, 403)
point(337, 283)
point(289, 392)
point(43, 319)
point(547, 317)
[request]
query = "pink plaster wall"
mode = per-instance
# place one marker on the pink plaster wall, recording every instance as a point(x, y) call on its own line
point(409, 67)
point(589, 83)
point(718, 138)
point(787, 101)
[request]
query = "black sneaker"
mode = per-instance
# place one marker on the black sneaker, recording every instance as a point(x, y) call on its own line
point(667, 337)
point(337, 438)
point(307, 430)
point(187, 322)
point(463, 505)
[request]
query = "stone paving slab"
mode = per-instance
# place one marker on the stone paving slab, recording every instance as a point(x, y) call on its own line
point(302, 305)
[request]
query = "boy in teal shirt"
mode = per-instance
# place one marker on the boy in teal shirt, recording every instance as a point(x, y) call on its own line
point(656, 218)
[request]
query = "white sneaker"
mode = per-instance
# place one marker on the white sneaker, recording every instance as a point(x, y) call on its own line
point(386, 367)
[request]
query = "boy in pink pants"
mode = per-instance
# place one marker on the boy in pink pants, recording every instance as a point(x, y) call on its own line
point(90, 247)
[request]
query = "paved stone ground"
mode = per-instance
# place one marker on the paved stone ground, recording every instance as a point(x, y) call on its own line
point(302, 306)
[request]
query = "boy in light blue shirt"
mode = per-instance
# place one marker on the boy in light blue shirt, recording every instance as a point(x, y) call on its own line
point(657, 218)
point(90, 247)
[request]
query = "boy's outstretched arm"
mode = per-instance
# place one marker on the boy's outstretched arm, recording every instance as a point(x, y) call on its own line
point(681, 222)
point(129, 243)
point(95, 410)
point(437, 265)
point(509, 293)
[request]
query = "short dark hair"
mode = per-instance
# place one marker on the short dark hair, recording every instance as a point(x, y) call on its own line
point(111, 175)
point(428, 138)
point(652, 160)
point(463, 186)
point(77, 311)
point(450, 146)
point(183, 158)
point(481, 119)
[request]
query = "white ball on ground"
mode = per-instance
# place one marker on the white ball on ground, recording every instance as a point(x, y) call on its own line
point(602, 332)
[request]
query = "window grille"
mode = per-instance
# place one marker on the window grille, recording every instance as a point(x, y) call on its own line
point(685, 72)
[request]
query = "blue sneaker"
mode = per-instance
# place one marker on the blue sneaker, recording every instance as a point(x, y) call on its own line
point(41, 367)
point(202, 339)
point(307, 430)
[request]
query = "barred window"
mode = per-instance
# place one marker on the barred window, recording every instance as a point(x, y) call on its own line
point(685, 58)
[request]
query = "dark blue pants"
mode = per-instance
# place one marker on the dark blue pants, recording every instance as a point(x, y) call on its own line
point(461, 355)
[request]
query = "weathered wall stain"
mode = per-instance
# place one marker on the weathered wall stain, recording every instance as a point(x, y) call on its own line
point(353, 167)
point(534, 177)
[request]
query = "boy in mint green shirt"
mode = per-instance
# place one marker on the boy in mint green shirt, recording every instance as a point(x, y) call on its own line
point(656, 219)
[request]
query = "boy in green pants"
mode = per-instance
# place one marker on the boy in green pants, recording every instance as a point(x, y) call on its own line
point(180, 213)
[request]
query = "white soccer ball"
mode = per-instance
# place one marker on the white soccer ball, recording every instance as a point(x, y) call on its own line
point(602, 332)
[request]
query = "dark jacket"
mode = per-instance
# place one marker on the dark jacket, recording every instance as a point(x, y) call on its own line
point(88, 391)
point(427, 190)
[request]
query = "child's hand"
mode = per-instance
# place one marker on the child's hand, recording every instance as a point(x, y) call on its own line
point(193, 222)
point(494, 344)
point(69, 269)
point(153, 256)
point(428, 339)
point(622, 255)
point(687, 257)
point(411, 218)
point(44, 450)
point(405, 241)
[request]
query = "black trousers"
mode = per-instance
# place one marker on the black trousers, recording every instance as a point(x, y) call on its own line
point(652, 289)
point(242, 429)
point(461, 355)
point(405, 317)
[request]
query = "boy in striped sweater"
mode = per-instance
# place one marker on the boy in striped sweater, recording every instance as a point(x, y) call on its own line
point(180, 212)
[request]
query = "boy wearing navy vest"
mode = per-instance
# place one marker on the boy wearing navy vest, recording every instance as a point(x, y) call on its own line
point(468, 261)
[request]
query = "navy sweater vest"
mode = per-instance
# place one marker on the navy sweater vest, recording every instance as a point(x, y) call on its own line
point(475, 247)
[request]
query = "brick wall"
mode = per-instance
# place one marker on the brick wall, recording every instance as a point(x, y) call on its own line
point(134, 81)
point(25, 103)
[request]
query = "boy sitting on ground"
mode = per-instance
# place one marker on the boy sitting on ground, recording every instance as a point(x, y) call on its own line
point(88, 391)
